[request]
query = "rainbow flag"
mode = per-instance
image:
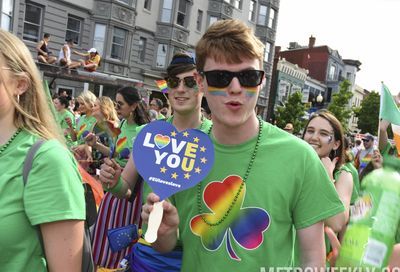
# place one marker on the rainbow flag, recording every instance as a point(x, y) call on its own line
point(390, 112)
point(162, 85)
point(109, 128)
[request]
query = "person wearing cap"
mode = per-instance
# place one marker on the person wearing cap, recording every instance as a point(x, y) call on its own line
point(288, 128)
point(91, 62)
point(364, 156)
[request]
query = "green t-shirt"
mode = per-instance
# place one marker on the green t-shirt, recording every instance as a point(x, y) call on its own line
point(124, 142)
point(349, 167)
point(53, 192)
point(61, 116)
point(287, 186)
point(85, 126)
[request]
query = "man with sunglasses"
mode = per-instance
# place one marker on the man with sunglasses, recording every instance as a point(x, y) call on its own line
point(364, 156)
point(264, 183)
point(185, 100)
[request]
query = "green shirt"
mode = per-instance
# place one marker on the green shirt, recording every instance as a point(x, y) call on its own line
point(85, 125)
point(287, 186)
point(61, 116)
point(53, 192)
point(124, 142)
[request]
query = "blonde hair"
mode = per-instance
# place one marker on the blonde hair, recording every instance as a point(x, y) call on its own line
point(228, 41)
point(88, 99)
point(107, 108)
point(32, 111)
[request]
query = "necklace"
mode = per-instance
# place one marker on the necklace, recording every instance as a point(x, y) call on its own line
point(246, 175)
point(4, 147)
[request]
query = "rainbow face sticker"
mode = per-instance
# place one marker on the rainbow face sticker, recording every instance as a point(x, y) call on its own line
point(171, 161)
point(250, 92)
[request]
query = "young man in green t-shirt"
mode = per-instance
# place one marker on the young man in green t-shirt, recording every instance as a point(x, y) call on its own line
point(263, 183)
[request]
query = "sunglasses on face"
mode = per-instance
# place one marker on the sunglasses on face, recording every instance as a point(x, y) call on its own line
point(365, 140)
point(173, 82)
point(222, 78)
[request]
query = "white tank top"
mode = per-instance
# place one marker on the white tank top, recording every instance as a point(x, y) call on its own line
point(61, 54)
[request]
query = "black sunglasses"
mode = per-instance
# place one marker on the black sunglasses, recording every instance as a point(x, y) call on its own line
point(222, 78)
point(173, 82)
point(365, 140)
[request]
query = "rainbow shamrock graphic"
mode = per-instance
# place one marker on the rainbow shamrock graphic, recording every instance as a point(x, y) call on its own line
point(245, 225)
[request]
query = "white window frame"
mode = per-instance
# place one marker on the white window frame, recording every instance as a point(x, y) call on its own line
point(252, 10)
point(7, 13)
point(262, 17)
point(161, 58)
point(271, 18)
point(332, 72)
point(182, 13)
point(166, 11)
point(199, 20)
point(142, 49)
point(29, 37)
point(212, 20)
point(99, 38)
point(267, 51)
point(74, 31)
point(147, 4)
point(121, 45)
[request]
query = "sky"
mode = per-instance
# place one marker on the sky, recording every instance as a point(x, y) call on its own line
point(364, 30)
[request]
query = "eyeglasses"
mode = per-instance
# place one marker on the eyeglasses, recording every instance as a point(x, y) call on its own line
point(365, 140)
point(222, 78)
point(325, 136)
point(173, 82)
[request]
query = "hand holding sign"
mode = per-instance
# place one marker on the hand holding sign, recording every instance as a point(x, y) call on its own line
point(171, 161)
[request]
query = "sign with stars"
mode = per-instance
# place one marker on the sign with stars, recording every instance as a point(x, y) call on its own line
point(172, 161)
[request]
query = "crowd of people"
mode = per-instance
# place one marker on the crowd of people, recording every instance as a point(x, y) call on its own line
point(271, 199)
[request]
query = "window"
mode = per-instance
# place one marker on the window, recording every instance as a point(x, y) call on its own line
point(142, 48)
point(118, 43)
point(6, 14)
point(180, 19)
point(74, 29)
point(332, 71)
point(267, 51)
point(252, 10)
point(271, 18)
point(262, 15)
point(213, 19)
point(124, 1)
point(199, 20)
point(166, 11)
point(33, 19)
point(161, 55)
point(236, 3)
point(99, 37)
point(147, 4)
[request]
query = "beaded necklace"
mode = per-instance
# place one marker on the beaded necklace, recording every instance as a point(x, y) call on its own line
point(246, 175)
point(4, 147)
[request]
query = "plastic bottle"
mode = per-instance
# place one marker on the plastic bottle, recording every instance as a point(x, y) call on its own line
point(374, 222)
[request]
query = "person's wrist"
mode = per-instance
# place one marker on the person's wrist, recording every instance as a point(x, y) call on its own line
point(116, 188)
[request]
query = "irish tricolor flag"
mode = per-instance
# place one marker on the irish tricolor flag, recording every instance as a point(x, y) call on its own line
point(390, 112)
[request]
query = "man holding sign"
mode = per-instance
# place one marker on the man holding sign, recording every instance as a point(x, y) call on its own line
point(185, 100)
point(263, 183)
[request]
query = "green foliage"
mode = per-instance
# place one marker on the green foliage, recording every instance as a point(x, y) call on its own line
point(292, 112)
point(340, 104)
point(368, 114)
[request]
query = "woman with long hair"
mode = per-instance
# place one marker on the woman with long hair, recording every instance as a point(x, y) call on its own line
point(325, 134)
point(114, 212)
point(51, 204)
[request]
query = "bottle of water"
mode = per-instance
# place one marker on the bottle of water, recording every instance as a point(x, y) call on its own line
point(374, 221)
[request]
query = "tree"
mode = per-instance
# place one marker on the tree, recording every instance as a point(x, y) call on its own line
point(340, 104)
point(368, 114)
point(292, 112)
